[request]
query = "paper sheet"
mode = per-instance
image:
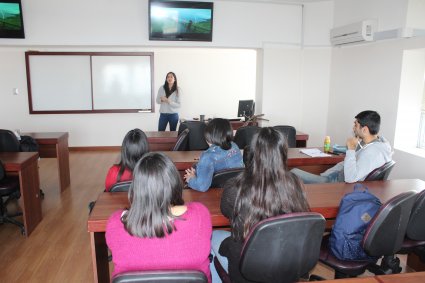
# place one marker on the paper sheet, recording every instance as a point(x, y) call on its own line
point(314, 152)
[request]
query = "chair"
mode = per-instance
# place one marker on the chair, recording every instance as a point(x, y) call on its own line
point(161, 276)
point(381, 173)
point(8, 141)
point(244, 135)
point(182, 141)
point(196, 139)
point(415, 233)
point(382, 238)
point(280, 249)
point(121, 187)
point(290, 134)
point(222, 176)
point(9, 187)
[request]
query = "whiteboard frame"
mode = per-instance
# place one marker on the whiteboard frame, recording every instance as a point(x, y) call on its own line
point(28, 54)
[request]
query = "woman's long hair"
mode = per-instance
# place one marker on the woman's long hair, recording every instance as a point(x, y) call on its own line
point(266, 188)
point(134, 145)
point(156, 187)
point(174, 88)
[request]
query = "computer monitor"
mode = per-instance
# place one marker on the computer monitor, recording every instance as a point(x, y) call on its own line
point(246, 108)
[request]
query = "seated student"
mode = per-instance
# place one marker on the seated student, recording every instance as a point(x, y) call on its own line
point(134, 145)
point(222, 154)
point(159, 231)
point(265, 189)
point(366, 151)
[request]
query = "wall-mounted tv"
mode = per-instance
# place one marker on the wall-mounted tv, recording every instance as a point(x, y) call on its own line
point(180, 20)
point(11, 22)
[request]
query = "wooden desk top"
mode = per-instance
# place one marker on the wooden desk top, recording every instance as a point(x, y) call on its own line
point(413, 277)
point(323, 198)
point(185, 159)
point(47, 137)
point(173, 135)
point(15, 161)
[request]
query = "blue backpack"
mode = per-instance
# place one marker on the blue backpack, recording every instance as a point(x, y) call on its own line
point(356, 209)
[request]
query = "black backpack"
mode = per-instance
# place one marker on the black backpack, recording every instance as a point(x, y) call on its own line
point(28, 143)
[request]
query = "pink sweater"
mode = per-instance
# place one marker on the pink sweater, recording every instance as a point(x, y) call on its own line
point(188, 247)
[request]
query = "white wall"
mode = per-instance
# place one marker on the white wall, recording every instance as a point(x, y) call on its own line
point(390, 14)
point(121, 23)
point(368, 76)
point(206, 75)
point(212, 82)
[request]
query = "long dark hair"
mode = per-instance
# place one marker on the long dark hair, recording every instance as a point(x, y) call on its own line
point(156, 187)
point(219, 132)
point(174, 88)
point(266, 188)
point(134, 145)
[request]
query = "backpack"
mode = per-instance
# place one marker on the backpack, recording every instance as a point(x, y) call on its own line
point(28, 143)
point(356, 209)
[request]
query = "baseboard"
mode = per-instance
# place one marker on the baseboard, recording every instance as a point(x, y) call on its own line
point(94, 148)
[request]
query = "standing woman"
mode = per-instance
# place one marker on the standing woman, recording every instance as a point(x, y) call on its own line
point(169, 99)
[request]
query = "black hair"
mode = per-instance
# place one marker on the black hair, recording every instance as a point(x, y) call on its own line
point(134, 145)
point(266, 188)
point(370, 119)
point(219, 132)
point(156, 187)
point(174, 88)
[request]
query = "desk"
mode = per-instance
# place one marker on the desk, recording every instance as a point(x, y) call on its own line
point(55, 145)
point(164, 141)
point(323, 198)
point(25, 165)
point(185, 159)
point(413, 277)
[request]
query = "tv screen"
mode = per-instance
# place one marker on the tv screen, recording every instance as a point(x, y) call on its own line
point(11, 22)
point(180, 20)
point(246, 108)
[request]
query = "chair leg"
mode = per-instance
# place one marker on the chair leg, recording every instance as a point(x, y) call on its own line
point(389, 265)
point(5, 218)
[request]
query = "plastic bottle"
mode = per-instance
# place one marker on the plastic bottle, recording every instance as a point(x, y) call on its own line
point(327, 144)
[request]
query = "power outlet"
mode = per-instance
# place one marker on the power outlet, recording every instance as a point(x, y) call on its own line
point(15, 91)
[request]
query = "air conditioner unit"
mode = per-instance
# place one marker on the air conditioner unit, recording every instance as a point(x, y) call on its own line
point(352, 33)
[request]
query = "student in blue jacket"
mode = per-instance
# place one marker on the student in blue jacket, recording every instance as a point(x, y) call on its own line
point(222, 154)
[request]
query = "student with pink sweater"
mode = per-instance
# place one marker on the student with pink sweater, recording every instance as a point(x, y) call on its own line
point(159, 231)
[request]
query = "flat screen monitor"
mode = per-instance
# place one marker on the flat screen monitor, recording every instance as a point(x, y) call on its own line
point(11, 21)
point(246, 108)
point(180, 20)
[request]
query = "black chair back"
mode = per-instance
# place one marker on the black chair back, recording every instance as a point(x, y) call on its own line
point(385, 233)
point(222, 176)
point(121, 187)
point(416, 227)
point(8, 141)
point(161, 276)
point(182, 141)
point(196, 134)
point(282, 248)
point(290, 134)
point(244, 135)
point(381, 173)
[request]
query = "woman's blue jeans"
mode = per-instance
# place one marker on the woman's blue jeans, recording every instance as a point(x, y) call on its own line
point(165, 118)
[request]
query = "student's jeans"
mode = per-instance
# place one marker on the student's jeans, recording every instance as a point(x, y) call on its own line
point(165, 118)
point(309, 178)
point(217, 237)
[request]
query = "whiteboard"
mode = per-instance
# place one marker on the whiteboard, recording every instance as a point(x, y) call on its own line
point(78, 82)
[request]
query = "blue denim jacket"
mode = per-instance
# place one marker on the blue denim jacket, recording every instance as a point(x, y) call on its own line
point(212, 160)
